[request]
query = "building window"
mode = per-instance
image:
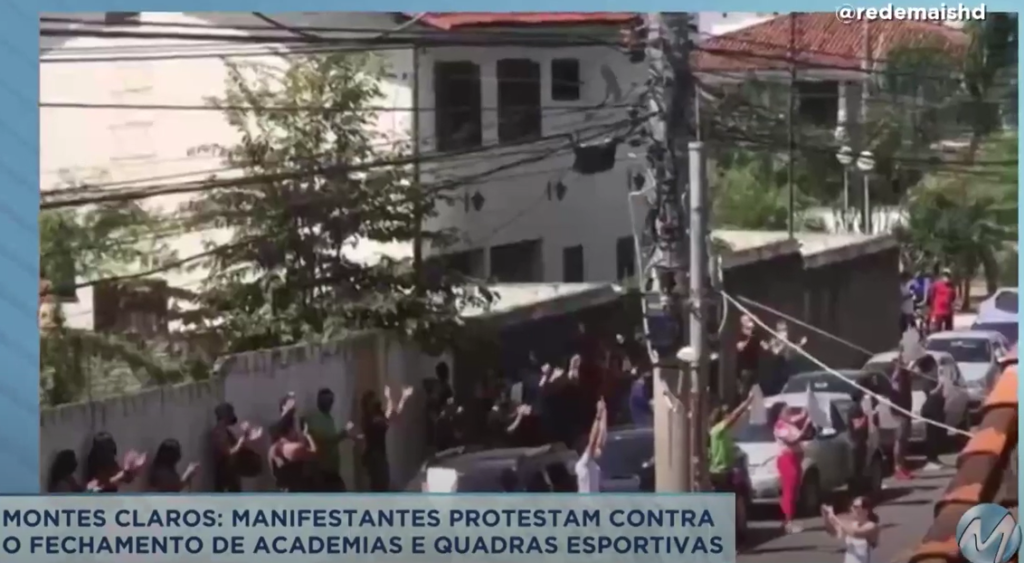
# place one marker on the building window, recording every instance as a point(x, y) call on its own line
point(519, 262)
point(138, 307)
point(457, 103)
point(565, 80)
point(572, 264)
point(818, 102)
point(625, 258)
point(519, 115)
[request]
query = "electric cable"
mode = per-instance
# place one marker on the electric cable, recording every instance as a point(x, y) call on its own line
point(880, 398)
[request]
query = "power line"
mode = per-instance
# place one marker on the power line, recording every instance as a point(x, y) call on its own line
point(482, 152)
point(408, 41)
point(160, 190)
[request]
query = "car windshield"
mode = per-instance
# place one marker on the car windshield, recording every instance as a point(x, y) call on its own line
point(624, 456)
point(1008, 330)
point(1007, 301)
point(963, 350)
point(819, 382)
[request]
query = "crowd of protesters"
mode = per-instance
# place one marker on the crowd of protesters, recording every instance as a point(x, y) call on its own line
point(549, 401)
point(301, 455)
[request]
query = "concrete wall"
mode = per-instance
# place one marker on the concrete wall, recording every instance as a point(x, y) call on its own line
point(254, 382)
point(857, 300)
point(776, 282)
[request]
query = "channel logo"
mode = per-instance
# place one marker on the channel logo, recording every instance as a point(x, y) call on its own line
point(988, 533)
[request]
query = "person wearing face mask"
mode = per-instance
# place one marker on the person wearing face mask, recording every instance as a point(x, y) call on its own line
point(163, 473)
point(782, 355)
point(377, 418)
point(292, 449)
point(748, 354)
point(327, 437)
point(233, 457)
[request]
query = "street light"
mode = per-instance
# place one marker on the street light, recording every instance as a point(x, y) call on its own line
point(866, 164)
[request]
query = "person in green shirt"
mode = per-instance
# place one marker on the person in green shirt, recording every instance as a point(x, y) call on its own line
point(722, 447)
point(327, 465)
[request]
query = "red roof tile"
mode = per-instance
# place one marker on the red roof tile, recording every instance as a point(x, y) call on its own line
point(464, 20)
point(820, 40)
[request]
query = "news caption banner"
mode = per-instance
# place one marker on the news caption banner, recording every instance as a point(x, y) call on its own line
point(369, 528)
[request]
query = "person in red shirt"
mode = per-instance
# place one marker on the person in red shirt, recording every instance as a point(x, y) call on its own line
point(942, 303)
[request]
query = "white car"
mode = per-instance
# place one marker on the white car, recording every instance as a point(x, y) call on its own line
point(957, 401)
point(828, 456)
point(977, 354)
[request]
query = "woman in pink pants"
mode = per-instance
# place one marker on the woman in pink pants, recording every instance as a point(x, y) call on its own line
point(789, 429)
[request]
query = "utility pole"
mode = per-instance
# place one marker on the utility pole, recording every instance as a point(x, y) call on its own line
point(671, 88)
point(699, 241)
point(865, 99)
point(790, 211)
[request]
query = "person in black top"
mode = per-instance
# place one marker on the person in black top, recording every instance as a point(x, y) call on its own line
point(103, 474)
point(292, 450)
point(163, 473)
point(62, 474)
point(933, 409)
point(860, 428)
point(902, 399)
point(232, 455)
point(376, 419)
point(748, 355)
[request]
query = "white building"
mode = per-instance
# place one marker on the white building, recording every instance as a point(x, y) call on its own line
point(109, 118)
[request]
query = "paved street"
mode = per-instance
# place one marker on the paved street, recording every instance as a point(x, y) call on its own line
point(905, 514)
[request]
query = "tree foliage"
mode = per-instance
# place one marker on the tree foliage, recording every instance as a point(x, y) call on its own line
point(86, 245)
point(293, 268)
point(749, 192)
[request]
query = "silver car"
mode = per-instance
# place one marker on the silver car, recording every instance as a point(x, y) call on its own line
point(957, 413)
point(977, 354)
point(828, 462)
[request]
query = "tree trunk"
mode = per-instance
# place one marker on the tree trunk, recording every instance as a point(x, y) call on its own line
point(990, 267)
point(965, 291)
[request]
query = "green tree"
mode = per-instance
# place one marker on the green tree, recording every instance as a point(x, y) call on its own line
point(749, 192)
point(84, 245)
point(288, 273)
point(966, 219)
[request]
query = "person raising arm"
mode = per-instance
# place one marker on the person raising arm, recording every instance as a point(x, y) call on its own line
point(588, 472)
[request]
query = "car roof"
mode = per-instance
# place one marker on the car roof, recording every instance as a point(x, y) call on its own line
point(499, 457)
point(892, 354)
point(800, 399)
point(963, 333)
point(850, 373)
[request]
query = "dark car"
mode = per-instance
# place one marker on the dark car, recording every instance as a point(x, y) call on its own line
point(628, 459)
point(481, 470)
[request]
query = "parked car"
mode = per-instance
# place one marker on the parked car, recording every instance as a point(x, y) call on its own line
point(629, 455)
point(977, 354)
point(999, 313)
point(827, 382)
point(828, 463)
point(957, 414)
point(480, 470)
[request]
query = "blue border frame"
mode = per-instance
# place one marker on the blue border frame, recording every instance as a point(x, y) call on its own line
point(19, 168)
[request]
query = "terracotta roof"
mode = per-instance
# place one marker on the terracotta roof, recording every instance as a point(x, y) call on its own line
point(986, 472)
point(466, 20)
point(820, 40)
